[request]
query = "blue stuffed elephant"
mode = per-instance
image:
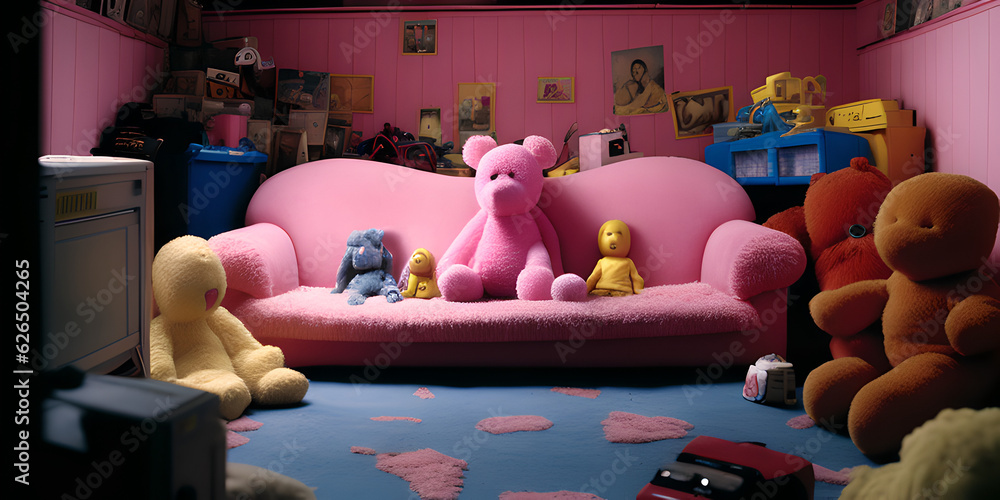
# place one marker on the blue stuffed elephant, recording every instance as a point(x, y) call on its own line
point(366, 270)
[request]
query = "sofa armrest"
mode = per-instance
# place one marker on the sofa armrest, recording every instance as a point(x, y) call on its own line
point(745, 259)
point(259, 260)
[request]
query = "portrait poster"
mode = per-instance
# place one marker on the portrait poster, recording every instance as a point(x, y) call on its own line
point(430, 124)
point(555, 90)
point(637, 81)
point(476, 103)
point(695, 112)
point(352, 93)
point(419, 38)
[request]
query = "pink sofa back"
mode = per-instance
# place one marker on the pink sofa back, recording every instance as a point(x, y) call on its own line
point(670, 204)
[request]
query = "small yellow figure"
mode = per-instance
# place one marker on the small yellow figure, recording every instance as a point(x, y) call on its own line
point(421, 283)
point(615, 274)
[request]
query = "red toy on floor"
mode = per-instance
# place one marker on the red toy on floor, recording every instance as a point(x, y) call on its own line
point(710, 467)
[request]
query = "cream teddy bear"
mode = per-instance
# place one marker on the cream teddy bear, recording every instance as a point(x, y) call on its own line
point(196, 343)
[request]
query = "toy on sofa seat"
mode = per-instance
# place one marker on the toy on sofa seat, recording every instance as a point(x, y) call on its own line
point(509, 248)
point(940, 312)
point(615, 274)
point(197, 343)
point(418, 280)
point(366, 269)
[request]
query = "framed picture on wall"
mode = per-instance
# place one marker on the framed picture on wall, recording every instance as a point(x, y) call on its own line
point(419, 38)
point(637, 80)
point(695, 112)
point(555, 89)
point(430, 125)
point(476, 103)
point(352, 93)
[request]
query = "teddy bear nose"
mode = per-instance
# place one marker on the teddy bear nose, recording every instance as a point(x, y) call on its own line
point(210, 297)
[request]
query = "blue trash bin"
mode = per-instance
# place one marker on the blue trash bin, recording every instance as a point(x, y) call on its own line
point(221, 182)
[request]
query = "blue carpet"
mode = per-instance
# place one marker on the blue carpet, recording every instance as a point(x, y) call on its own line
point(312, 442)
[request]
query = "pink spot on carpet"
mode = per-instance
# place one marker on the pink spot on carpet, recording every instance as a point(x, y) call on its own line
point(243, 424)
point(433, 475)
point(390, 419)
point(233, 440)
point(572, 391)
point(801, 422)
point(501, 425)
point(361, 450)
point(825, 475)
point(424, 393)
point(555, 495)
point(622, 427)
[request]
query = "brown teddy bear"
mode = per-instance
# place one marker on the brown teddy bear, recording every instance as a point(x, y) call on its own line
point(196, 343)
point(940, 312)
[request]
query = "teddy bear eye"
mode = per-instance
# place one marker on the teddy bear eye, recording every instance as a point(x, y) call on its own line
point(493, 177)
point(511, 175)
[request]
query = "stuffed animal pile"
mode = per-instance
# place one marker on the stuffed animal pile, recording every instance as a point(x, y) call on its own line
point(197, 343)
point(940, 313)
point(509, 249)
point(834, 226)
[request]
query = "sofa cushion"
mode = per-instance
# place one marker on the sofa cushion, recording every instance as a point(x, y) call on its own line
point(316, 314)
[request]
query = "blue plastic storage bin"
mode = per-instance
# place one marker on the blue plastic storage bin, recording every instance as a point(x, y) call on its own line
point(221, 182)
point(775, 160)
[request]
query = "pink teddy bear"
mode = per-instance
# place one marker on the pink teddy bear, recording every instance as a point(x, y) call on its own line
point(509, 248)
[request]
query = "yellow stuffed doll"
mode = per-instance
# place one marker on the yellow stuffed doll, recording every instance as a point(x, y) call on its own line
point(196, 343)
point(615, 274)
point(421, 282)
point(940, 312)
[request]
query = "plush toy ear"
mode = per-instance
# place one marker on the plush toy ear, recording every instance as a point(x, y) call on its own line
point(542, 149)
point(346, 272)
point(816, 177)
point(386, 260)
point(475, 148)
point(861, 163)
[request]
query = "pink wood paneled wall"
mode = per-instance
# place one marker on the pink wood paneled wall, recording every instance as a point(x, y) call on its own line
point(90, 66)
point(703, 48)
point(949, 72)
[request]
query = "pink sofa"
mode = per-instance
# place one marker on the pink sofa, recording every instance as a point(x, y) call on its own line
point(715, 282)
